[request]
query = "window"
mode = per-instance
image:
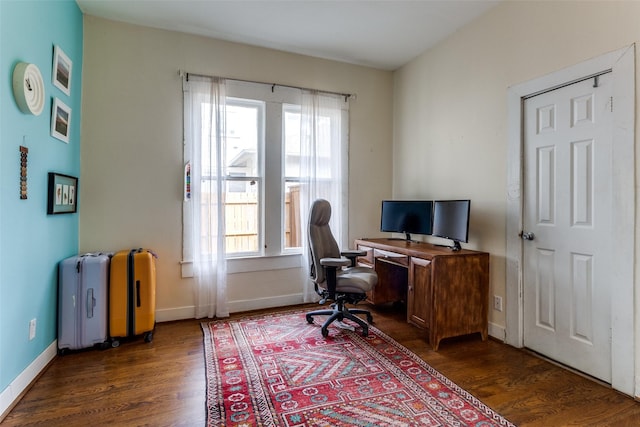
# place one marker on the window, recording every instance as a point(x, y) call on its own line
point(262, 169)
point(292, 222)
point(325, 168)
point(244, 175)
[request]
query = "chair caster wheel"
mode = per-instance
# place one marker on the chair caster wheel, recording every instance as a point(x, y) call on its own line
point(325, 332)
point(309, 319)
point(365, 332)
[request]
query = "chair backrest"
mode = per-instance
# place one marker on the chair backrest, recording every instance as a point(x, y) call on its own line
point(322, 244)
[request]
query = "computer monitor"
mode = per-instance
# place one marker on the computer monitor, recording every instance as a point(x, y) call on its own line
point(451, 221)
point(406, 216)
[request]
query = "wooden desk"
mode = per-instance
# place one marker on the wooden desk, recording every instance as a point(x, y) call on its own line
point(447, 292)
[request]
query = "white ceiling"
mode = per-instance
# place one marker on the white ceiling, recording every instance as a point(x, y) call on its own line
point(384, 34)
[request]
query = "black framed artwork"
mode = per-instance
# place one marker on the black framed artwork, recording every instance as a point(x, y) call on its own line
point(62, 194)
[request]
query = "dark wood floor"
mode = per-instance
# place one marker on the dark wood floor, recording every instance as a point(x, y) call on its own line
point(163, 383)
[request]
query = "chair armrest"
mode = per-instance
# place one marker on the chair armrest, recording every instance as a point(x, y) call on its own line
point(352, 255)
point(331, 266)
point(334, 262)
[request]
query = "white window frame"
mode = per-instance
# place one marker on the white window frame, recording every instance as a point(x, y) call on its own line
point(271, 254)
point(260, 177)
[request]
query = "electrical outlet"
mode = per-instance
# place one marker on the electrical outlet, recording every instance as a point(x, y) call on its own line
point(32, 329)
point(497, 303)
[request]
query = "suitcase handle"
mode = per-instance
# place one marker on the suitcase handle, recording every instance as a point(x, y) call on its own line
point(138, 302)
point(91, 303)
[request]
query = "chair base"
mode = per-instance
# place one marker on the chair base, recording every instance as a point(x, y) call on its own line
point(339, 312)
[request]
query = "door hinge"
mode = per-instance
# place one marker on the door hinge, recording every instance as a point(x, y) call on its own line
point(611, 103)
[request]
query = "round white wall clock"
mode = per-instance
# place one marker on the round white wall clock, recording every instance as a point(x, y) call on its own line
point(28, 88)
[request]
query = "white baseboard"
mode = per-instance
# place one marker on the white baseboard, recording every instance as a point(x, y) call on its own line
point(497, 331)
point(257, 304)
point(188, 312)
point(178, 313)
point(13, 392)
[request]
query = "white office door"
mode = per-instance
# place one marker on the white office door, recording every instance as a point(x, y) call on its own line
point(567, 236)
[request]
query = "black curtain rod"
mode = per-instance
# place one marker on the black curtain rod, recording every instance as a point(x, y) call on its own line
point(594, 76)
point(273, 85)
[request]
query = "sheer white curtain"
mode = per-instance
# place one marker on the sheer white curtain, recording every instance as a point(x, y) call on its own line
point(203, 212)
point(323, 167)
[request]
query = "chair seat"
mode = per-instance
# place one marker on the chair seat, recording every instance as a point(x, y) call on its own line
point(356, 280)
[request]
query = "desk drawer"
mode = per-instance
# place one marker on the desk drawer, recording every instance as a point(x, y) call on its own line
point(368, 258)
point(392, 257)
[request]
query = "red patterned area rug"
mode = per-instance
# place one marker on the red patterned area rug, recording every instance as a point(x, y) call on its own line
point(278, 370)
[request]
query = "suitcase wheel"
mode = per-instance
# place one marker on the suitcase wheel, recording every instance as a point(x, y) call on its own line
point(105, 345)
point(115, 343)
point(148, 337)
point(63, 351)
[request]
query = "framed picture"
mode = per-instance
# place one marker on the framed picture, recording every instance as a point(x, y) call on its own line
point(62, 66)
point(60, 120)
point(62, 194)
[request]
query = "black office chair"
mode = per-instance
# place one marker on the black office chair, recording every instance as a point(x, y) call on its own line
point(335, 277)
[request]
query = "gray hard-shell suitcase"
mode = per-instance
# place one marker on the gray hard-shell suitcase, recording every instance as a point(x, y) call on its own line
point(82, 302)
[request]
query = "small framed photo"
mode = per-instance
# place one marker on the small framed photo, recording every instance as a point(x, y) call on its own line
point(62, 194)
point(62, 67)
point(60, 120)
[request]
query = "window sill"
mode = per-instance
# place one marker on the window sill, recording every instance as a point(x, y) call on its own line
point(251, 264)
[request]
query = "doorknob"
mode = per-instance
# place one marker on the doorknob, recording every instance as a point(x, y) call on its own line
point(527, 235)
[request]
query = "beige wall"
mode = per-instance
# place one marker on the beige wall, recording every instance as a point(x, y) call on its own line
point(450, 104)
point(131, 154)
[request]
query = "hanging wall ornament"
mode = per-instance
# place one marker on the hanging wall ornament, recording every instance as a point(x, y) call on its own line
point(28, 88)
point(24, 151)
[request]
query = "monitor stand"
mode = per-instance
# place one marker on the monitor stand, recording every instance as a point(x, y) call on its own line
point(455, 247)
point(406, 239)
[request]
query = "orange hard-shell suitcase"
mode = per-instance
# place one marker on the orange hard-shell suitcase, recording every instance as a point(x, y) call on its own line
point(132, 295)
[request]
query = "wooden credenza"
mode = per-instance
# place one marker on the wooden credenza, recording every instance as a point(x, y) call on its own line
point(447, 292)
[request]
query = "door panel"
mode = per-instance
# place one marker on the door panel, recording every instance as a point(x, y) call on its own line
point(545, 290)
point(546, 185)
point(567, 207)
point(581, 321)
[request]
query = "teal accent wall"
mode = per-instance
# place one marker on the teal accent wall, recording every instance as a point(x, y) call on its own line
point(32, 242)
